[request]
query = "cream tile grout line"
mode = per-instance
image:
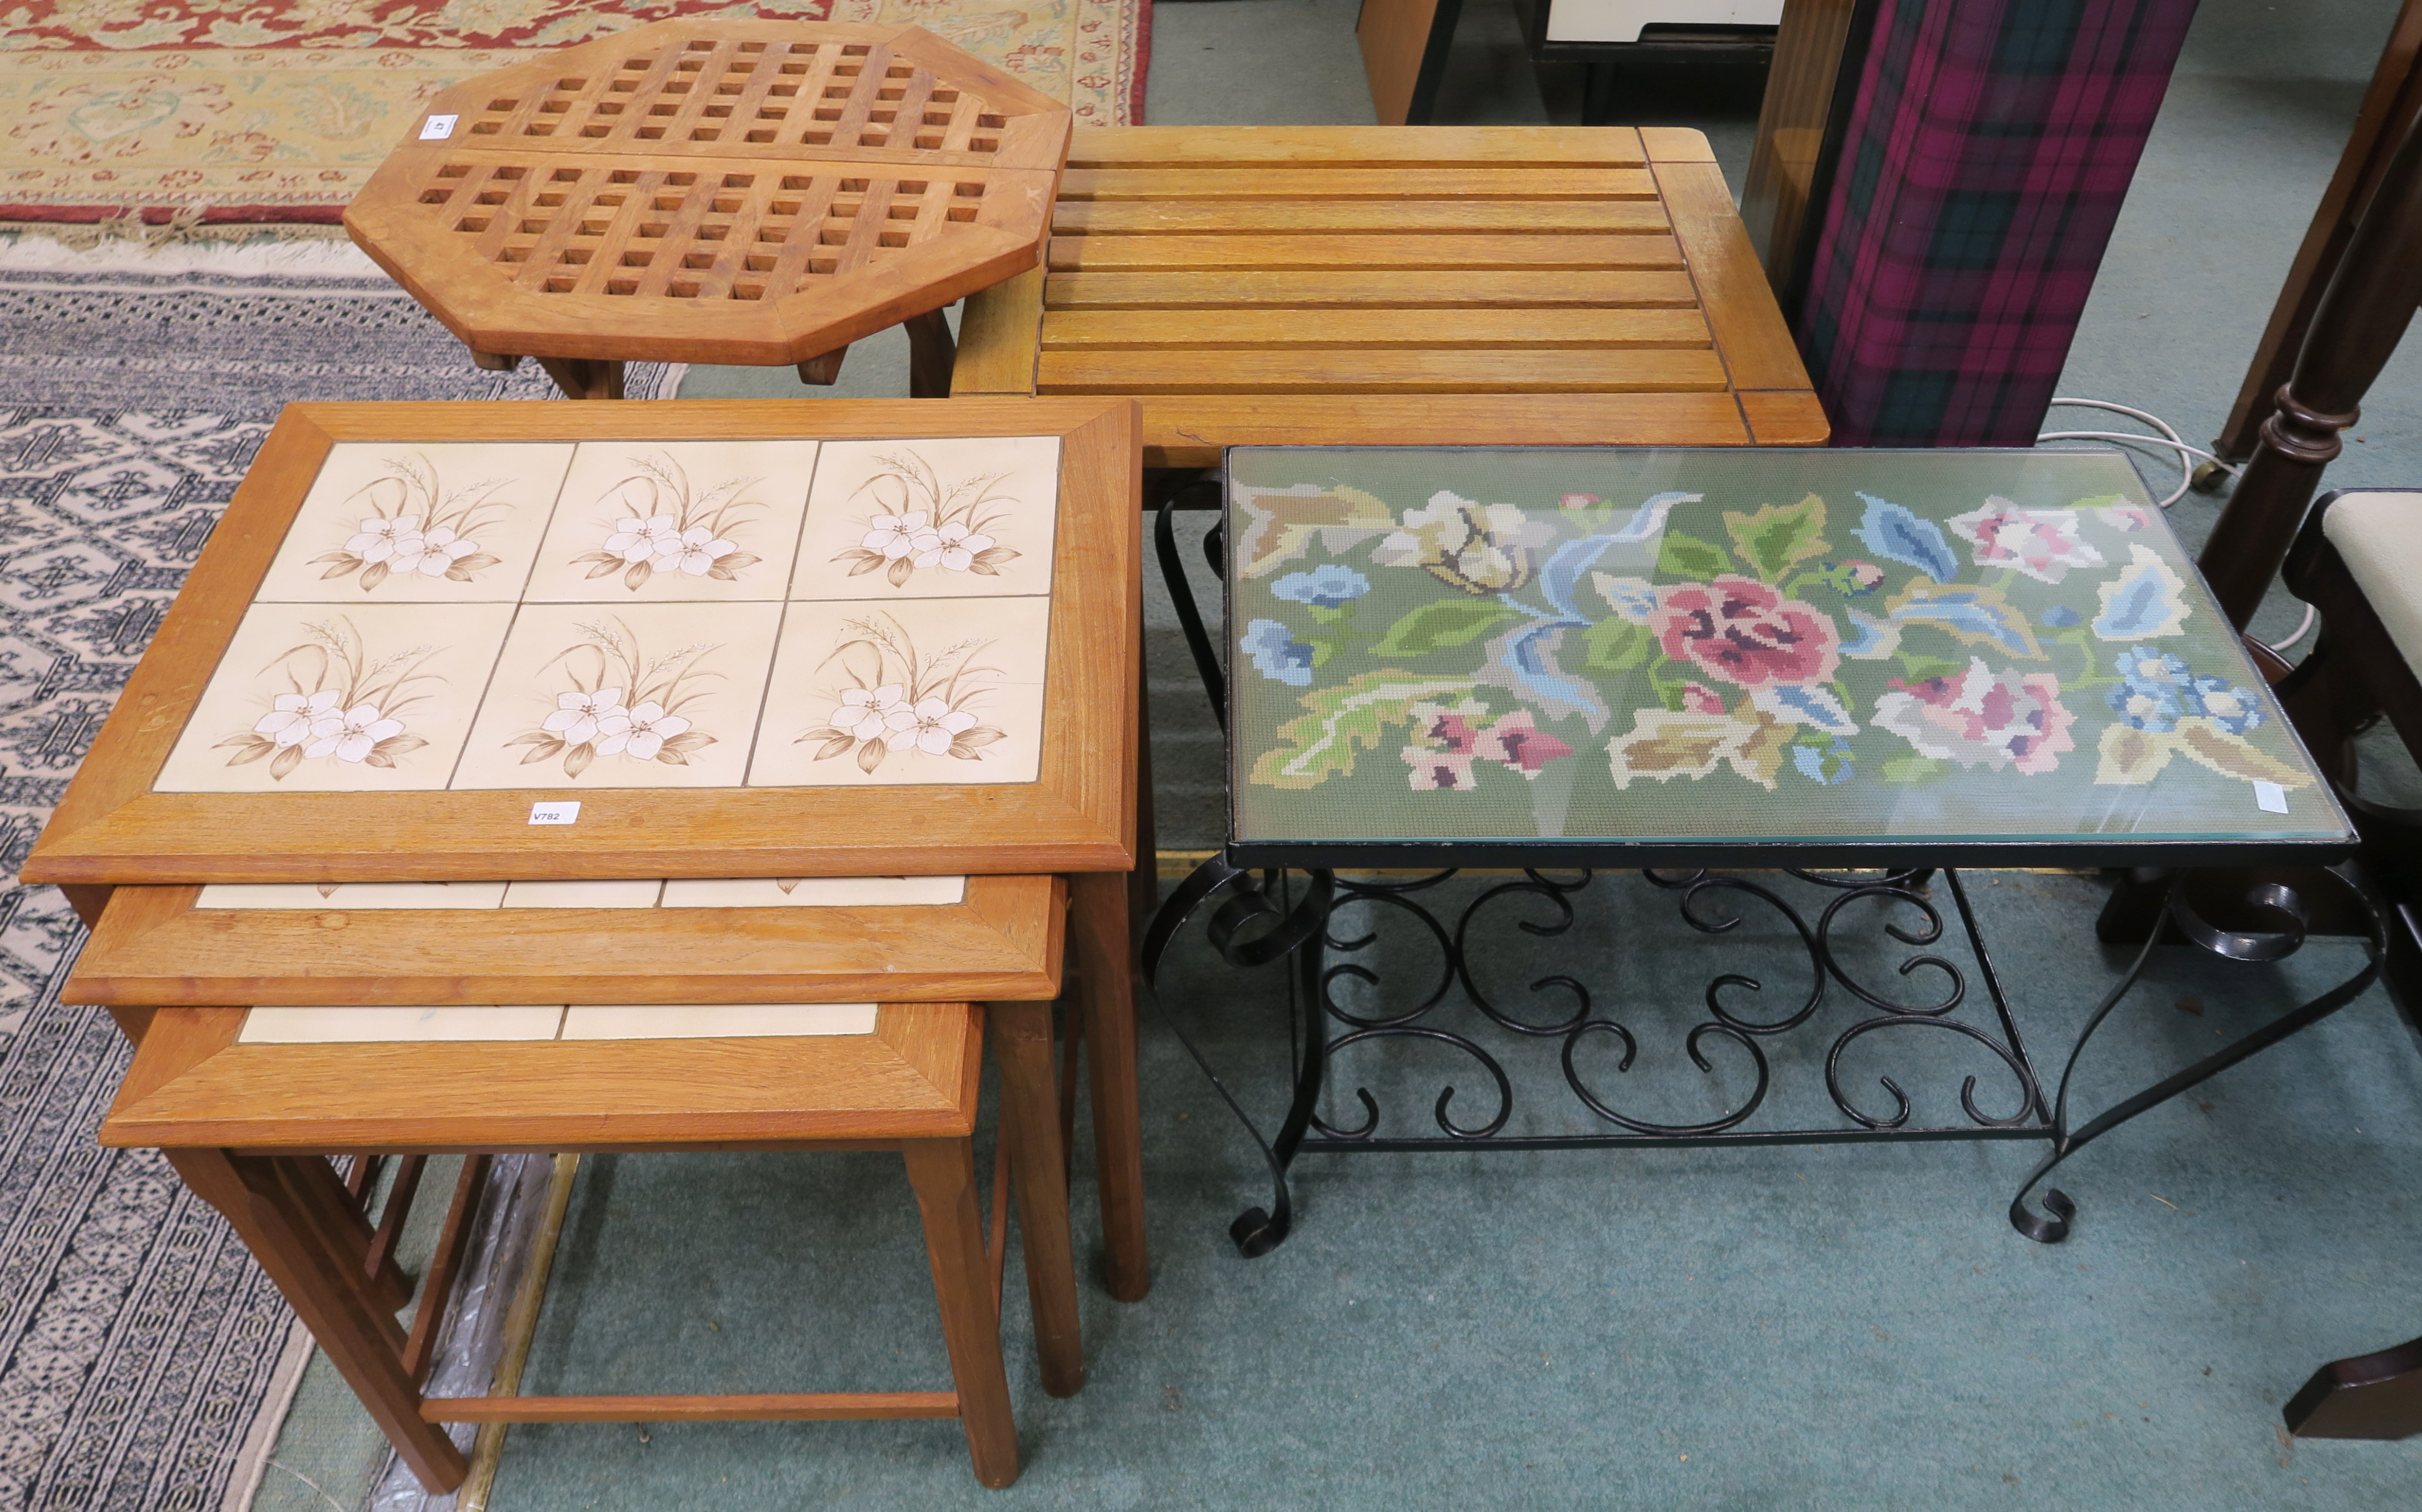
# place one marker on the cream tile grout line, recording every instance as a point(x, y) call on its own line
point(781, 620)
point(462, 753)
point(521, 1329)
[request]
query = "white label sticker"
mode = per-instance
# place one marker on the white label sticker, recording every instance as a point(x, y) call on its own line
point(554, 814)
point(438, 127)
point(2270, 797)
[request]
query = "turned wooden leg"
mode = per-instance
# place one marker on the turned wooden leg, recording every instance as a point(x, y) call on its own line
point(932, 354)
point(2355, 330)
point(1097, 916)
point(255, 1198)
point(1020, 1034)
point(944, 1173)
point(585, 377)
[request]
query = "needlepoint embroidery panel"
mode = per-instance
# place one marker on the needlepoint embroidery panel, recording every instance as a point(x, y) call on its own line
point(1673, 645)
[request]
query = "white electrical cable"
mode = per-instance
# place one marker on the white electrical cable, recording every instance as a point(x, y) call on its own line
point(2170, 439)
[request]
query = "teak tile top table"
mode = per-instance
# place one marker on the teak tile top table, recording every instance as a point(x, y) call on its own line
point(1378, 286)
point(456, 643)
point(714, 190)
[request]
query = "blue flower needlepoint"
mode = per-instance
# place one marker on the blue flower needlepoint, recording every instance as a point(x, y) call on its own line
point(2234, 709)
point(2149, 670)
point(1325, 587)
point(1277, 654)
point(1895, 534)
point(2060, 617)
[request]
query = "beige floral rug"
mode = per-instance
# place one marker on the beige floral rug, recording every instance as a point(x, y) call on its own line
point(278, 110)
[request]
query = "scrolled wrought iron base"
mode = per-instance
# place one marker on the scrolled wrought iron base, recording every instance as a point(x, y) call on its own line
point(1259, 918)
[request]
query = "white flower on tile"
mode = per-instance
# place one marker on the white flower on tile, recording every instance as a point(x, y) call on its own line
point(577, 715)
point(349, 736)
point(432, 553)
point(695, 551)
point(865, 711)
point(663, 523)
point(953, 547)
point(354, 712)
point(930, 727)
point(636, 540)
point(640, 730)
point(378, 538)
point(592, 720)
point(894, 536)
point(290, 716)
point(418, 528)
point(922, 520)
point(927, 708)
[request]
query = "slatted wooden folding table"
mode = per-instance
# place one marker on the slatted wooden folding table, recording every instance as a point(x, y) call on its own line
point(1391, 285)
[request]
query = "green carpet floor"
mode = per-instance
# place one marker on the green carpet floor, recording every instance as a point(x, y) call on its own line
point(1781, 1327)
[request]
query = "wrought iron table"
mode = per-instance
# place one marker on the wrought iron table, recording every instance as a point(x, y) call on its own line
point(1838, 675)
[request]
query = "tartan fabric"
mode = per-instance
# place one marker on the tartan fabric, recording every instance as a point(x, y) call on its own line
point(1987, 151)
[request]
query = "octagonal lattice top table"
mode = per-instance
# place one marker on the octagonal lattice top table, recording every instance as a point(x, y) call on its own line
point(741, 192)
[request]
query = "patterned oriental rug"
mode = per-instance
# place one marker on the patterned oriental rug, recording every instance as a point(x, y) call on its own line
point(139, 1345)
point(278, 110)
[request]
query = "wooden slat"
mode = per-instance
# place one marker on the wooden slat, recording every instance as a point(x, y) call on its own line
point(1215, 217)
point(806, 1406)
point(1368, 145)
point(1431, 290)
point(1382, 370)
point(1189, 430)
point(1389, 184)
point(1103, 253)
point(1677, 144)
point(1786, 418)
point(1504, 329)
point(1732, 287)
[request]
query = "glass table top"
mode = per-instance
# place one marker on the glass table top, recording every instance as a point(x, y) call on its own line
point(1559, 655)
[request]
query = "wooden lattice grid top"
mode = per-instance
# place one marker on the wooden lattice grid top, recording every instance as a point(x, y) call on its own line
point(703, 190)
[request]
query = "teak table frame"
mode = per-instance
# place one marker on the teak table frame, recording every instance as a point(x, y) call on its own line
point(1422, 286)
point(248, 1125)
point(709, 190)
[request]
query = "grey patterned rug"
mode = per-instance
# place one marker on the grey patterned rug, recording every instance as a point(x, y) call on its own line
point(137, 1340)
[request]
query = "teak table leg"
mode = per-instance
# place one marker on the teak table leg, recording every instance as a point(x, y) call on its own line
point(1029, 1127)
point(255, 1199)
point(321, 1203)
point(585, 377)
point(1098, 913)
point(932, 354)
point(944, 1173)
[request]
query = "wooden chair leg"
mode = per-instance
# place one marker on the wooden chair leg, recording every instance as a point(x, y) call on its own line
point(932, 354)
point(256, 1199)
point(1020, 1034)
point(585, 377)
point(943, 1172)
point(1097, 914)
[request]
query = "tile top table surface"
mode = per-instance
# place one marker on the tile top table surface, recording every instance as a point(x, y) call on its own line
point(1393, 286)
point(790, 639)
point(1674, 656)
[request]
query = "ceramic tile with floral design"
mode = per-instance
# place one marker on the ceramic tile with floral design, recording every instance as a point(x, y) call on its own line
point(620, 696)
point(419, 522)
point(814, 892)
point(647, 522)
point(917, 692)
point(1786, 645)
point(361, 698)
point(351, 895)
point(366, 1026)
point(895, 520)
point(644, 1022)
